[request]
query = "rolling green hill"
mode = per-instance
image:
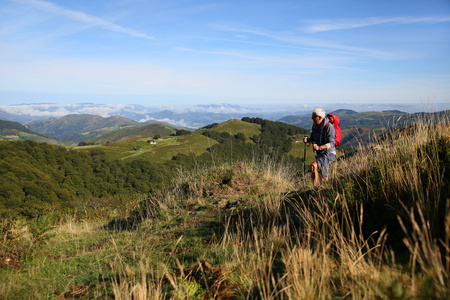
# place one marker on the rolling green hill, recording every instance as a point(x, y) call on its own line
point(13, 131)
point(164, 149)
point(235, 126)
point(76, 128)
point(5, 125)
point(132, 133)
point(131, 144)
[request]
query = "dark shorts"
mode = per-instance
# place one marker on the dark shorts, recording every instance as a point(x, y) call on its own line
point(323, 161)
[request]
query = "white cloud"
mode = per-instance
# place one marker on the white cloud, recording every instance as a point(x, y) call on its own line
point(340, 24)
point(82, 17)
point(36, 110)
point(104, 111)
point(223, 53)
point(58, 110)
point(181, 123)
point(222, 108)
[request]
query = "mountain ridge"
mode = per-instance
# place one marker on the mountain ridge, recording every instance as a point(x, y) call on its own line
point(77, 128)
point(14, 131)
point(192, 117)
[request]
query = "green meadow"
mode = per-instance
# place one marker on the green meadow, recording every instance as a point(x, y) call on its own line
point(162, 151)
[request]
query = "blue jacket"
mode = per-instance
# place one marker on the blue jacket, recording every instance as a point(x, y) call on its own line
point(321, 136)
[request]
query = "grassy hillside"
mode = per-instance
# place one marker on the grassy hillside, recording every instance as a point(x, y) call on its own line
point(5, 125)
point(132, 133)
point(194, 144)
point(13, 131)
point(77, 128)
point(361, 136)
point(162, 151)
point(379, 229)
point(235, 126)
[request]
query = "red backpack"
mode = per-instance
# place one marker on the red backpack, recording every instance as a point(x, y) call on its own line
point(337, 130)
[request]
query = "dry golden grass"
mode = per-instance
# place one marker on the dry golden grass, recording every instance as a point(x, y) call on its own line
point(304, 248)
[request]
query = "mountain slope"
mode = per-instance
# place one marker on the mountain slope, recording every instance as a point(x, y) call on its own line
point(24, 113)
point(234, 126)
point(77, 128)
point(5, 125)
point(17, 132)
point(234, 138)
point(131, 133)
point(131, 144)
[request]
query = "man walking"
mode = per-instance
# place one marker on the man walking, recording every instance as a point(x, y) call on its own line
point(322, 138)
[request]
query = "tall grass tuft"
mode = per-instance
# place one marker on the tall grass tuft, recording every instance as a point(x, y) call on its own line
point(381, 204)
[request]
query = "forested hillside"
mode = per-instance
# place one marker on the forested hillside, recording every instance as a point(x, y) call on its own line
point(13, 127)
point(37, 178)
point(76, 128)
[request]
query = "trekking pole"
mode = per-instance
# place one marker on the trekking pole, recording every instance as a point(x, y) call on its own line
point(304, 162)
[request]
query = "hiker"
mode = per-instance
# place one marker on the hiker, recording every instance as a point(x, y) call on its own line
point(322, 139)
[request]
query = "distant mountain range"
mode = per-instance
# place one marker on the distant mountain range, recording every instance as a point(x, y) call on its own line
point(193, 117)
point(24, 113)
point(350, 118)
point(73, 128)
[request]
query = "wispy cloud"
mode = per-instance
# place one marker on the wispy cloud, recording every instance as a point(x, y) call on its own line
point(222, 53)
point(36, 110)
point(340, 24)
point(292, 40)
point(309, 64)
point(82, 17)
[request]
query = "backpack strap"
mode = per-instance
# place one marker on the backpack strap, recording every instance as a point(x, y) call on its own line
point(324, 137)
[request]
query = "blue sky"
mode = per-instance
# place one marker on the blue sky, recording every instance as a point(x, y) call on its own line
point(239, 52)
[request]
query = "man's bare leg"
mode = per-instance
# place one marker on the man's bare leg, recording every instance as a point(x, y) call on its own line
point(314, 173)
